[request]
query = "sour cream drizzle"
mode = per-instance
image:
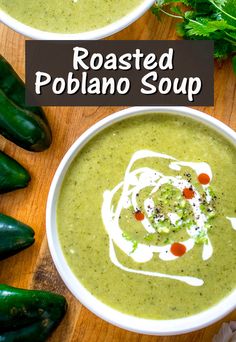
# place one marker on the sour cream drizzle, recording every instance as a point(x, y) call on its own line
point(188, 280)
point(232, 221)
point(136, 180)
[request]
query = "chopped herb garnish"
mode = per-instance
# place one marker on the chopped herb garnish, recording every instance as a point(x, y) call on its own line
point(201, 238)
point(167, 241)
point(134, 242)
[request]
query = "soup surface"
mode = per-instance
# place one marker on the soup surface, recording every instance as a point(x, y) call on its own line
point(68, 16)
point(146, 216)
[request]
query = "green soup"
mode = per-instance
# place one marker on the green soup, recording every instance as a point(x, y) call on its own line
point(68, 16)
point(146, 216)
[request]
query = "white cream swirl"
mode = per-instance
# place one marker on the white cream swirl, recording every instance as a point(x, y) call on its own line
point(138, 179)
point(232, 221)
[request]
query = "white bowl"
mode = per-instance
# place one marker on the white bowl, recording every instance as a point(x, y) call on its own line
point(140, 325)
point(90, 35)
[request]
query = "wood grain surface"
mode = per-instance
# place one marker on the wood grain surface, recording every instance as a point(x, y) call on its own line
point(33, 268)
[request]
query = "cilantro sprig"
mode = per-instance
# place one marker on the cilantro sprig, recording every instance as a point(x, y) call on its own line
point(204, 19)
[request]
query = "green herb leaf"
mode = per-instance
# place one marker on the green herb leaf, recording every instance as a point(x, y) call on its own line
point(204, 19)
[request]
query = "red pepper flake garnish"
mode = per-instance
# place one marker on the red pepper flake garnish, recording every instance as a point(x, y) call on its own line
point(188, 193)
point(204, 179)
point(139, 215)
point(178, 249)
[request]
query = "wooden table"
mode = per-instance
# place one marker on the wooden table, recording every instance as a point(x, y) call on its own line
point(33, 268)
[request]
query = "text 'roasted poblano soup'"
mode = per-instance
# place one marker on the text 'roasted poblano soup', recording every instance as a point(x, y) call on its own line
point(68, 16)
point(147, 216)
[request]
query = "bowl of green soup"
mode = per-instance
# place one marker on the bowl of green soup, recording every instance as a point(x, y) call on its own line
point(71, 19)
point(141, 219)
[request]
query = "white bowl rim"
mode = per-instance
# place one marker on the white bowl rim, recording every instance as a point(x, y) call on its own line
point(128, 322)
point(89, 35)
